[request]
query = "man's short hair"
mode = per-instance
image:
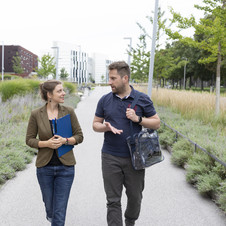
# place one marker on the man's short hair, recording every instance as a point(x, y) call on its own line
point(122, 68)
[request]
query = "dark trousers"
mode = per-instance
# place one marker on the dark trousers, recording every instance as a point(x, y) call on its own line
point(119, 172)
point(55, 183)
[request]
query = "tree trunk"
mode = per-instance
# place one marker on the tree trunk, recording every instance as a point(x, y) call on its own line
point(201, 84)
point(190, 82)
point(157, 81)
point(218, 78)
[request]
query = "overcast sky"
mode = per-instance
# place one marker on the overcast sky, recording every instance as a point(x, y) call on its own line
point(97, 25)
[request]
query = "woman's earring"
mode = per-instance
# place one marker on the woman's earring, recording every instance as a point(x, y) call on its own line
point(49, 100)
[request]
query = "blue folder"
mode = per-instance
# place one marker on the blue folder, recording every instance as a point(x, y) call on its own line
point(62, 127)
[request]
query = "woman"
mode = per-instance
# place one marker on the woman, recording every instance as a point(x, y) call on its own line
point(55, 174)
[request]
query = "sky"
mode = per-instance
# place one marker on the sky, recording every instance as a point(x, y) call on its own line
point(98, 26)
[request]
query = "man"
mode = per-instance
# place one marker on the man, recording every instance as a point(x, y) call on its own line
point(113, 115)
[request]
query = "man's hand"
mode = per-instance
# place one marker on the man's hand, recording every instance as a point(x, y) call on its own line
point(100, 126)
point(112, 128)
point(131, 114)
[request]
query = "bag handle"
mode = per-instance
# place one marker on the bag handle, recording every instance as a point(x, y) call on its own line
point(137, 96)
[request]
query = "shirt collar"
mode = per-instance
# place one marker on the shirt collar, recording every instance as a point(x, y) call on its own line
point(132, 94)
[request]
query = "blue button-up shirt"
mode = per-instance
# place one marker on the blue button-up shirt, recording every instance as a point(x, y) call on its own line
point(113, 109)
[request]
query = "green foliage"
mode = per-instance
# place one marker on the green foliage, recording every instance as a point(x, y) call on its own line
point(72, 100)
point(140, 54)
point(166, 138)
point(63, 74)
point(6, 172)
point(47, 66)
point(10, 88)
point(140, 63)
point(208, 183)
point(201, 170)
point(212, 27)
point(182, 152)
point(71, 87)
point(199, 164)
point(222, 195)
point(210, 36)
point(10, 77)
point(17, 64)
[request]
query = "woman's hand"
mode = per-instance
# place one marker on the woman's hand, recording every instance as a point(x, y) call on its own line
point(56, 141)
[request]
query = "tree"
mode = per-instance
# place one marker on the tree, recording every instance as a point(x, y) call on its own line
point(63, 74)
point(17, 68)
point(103, 79)
point(213, 29)
point(47, 66)
point(140, 54)
point(139, 65)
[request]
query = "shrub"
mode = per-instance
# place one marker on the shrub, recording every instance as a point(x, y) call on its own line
point(8, 89)
point(71, 87)
point(10, 77)
point(166, 138)
point(182, 152)
point(222, 196)
point(200, 163)
point(6, 172)
point(208, 183)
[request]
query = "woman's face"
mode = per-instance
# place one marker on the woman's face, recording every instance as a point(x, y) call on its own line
point(58, 94)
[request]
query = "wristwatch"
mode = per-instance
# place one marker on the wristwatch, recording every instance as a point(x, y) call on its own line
point(66, 143)
point(140, 120)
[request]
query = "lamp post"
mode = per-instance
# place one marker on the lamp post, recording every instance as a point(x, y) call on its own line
point(57, 58)
point(79, 64)
point(130, 49)
point(2, 61)
point(152, 58)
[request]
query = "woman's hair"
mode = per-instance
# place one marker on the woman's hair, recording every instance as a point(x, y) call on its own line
point(48, 86)
point(122, 68)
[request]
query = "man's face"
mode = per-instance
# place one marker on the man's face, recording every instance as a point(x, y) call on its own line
point(116, 82)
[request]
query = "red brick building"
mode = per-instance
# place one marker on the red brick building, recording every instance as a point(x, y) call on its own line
point(29, 61)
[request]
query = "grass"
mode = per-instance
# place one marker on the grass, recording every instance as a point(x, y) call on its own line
point(191, 105)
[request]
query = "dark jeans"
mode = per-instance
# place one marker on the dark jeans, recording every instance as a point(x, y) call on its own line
point(118, 171)
point(55, 183)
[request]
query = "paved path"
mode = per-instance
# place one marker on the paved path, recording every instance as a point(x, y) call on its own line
point(168, 199)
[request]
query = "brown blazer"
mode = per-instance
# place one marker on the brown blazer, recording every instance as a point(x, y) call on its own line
point(39, 125)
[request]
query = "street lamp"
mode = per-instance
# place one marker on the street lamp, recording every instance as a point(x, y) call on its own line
point(130, 49)
point(79, 62)
point(57, 58)
point(152, 58)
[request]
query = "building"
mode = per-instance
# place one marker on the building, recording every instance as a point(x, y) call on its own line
point(100, 68)
point(70, 57)
point(80, 67)
point(29, 61)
